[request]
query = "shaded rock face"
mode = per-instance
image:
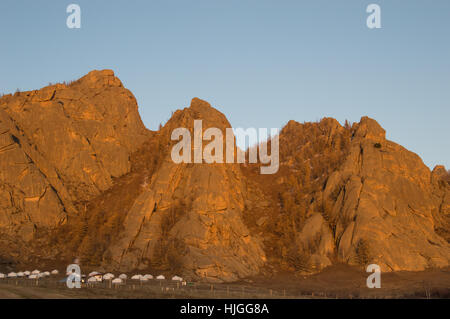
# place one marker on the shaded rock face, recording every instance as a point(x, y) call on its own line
point(81, 176)
point(286, 208)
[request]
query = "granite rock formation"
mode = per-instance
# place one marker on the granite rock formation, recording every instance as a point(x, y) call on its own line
point(80, 175)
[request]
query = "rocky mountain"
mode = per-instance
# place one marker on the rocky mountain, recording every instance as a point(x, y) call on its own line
point(347, 194)
point(82, 176)
point(61, 147)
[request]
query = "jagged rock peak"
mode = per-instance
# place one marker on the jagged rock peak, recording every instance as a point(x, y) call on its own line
point(199, 104)
point(439, 170)
point(65, 144)
point(198, 110)
point(100, 79)
point(370, 129)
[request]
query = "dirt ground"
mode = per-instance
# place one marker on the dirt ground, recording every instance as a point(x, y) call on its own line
point(343, 281)
point(339, 281)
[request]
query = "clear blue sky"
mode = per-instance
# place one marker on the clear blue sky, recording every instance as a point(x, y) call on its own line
point(260, 62)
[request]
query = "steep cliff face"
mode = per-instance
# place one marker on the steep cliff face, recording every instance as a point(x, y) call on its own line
point(385, 205)
point(30, 190)
point(62, 146)
point(189, 217)
point(347, 194)
point(81, 176)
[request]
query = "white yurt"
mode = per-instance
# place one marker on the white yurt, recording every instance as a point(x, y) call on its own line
point(117, 281)
point(35, 272)
point(148, 276)
point(55, 272)
point(136, 277)
point(92, 280)
point(27, 273)
point(160, 277)
point(40, 275)
point(177, 278)
point(20, 274)
point(108, 276)
point(12, 275)
point(2, 276)
point(47, 273)
point(123, 276)
point(33, 276)
point(94, 273)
